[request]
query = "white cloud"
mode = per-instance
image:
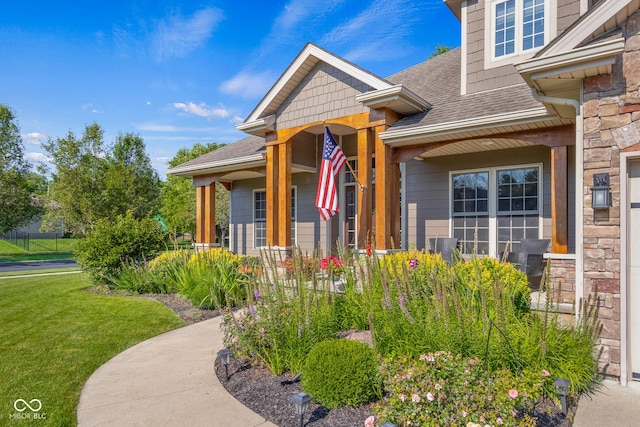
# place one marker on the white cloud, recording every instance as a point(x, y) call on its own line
point(237, 119)
point(248, 85)
point(163, 159)
point(178, 36)
point(383, 23)
point(155, 127)
point(37, 157)
point(34, 138)
point(202, 110)
point(148, 102)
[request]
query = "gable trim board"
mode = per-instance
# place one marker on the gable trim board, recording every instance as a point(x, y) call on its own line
point(238, 163)
point(301, 65)
point(602, 17)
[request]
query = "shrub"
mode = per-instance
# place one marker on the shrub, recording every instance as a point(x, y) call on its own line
point(155, 276)
point(103, 251)
point(441, 389)
point(341, 372)
point(211, 278)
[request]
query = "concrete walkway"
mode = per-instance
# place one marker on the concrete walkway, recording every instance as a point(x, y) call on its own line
point(613, 406)
point(168, 380)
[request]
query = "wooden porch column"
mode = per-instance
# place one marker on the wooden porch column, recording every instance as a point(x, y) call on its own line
point(383, 191)
point(210, 213)
point(559, 200)
point(365, 176)
point(200, 214)
point(272, 195)
point(284, 199)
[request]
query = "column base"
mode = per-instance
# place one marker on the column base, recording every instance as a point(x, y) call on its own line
point(199, 247)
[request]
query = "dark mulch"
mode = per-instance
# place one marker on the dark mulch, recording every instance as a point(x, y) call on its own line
point(258, 389)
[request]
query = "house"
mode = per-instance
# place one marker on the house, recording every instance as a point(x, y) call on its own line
point(495, 141)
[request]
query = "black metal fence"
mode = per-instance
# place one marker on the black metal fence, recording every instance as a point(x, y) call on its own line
point(38, 242)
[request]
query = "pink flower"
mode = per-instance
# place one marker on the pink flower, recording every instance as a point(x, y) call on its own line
point(464, 414)
point(482, 418)
point(428, 357)
point(513, 393)
point(499, 421)
point(369, 421)
point(430, 397)
point(402, 397)
point(545, 373)
point(437, 386)
point(415, 398)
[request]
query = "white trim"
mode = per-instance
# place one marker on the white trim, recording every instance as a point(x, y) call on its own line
point(222, 165)
point(584, 6)
point(253, 210)
point(463, 49)
point(588, 56)
point(492, 199)
point(600, 13)
point(377, 98)
point(313, 51)
point(253, 214)
point(625, 348)
point(551, 255)
point(550, 30)
point(392, 136)
point(404, 217)
point(579, 213)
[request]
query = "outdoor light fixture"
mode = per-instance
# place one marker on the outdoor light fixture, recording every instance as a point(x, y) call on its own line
point(302, 401)
point(225, 355)
point(562, 389)
point(388, 424)
point(601, 191)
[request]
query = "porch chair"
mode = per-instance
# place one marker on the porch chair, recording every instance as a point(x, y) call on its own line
point(530, 259)
point(446, 246)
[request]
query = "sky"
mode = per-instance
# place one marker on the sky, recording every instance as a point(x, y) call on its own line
point(179, 73)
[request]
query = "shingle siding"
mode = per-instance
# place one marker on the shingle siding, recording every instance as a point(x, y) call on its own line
point(324, 93)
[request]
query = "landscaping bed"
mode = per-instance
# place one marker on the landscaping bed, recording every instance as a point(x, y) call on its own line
point(258, 389)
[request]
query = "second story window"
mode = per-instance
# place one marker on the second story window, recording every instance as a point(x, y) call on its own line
point(519, 26)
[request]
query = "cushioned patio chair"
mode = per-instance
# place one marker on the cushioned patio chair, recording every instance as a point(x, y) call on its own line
point(446, 246)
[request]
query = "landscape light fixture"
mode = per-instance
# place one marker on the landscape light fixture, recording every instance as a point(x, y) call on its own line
point(601, 191)
point(562, 389)
point(388, 424)
point(302, 401)
point(225, 356)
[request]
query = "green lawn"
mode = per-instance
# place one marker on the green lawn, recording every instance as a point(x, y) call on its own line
point(37, 246)
point(54, 336)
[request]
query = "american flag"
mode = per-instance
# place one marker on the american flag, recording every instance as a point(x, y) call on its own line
point(333, 160)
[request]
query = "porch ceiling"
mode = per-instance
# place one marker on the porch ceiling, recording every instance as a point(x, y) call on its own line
point(474, 146)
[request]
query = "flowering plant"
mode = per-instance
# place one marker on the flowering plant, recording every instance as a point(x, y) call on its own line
point(443, 389)
point(332, 264)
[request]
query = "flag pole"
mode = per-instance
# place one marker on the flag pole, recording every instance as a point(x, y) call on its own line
point(349, 166)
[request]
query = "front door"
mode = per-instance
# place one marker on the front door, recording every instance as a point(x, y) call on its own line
point(634, 266)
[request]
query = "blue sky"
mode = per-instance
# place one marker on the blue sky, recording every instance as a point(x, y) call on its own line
point(182, 72)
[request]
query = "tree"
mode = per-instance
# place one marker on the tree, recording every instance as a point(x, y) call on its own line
point(179, 197)
point(18, 203)
point(93, 183)
point(131, 179)
point(439, 51)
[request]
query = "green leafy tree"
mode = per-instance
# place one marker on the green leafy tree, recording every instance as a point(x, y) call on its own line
point(18, 202)
point(179, 197)
point(93, 182)
point(131, 183)
point(439, 51)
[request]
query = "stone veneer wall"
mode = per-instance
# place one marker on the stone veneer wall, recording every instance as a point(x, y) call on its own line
point(561, 279)
point(611, 124)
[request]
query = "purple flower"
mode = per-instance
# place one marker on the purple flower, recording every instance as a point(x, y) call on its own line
point(413, 262)
point(256, 294)
point(252, 309)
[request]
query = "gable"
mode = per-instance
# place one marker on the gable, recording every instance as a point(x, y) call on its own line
point(325, 92)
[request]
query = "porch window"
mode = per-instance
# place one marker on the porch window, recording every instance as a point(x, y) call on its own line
point(495, 207)
point(471, 211)
point(519, 26)
point(260, 217)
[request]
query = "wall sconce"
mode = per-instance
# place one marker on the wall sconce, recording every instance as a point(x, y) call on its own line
point(388, 424)
point(601, 191)
point(302, 401)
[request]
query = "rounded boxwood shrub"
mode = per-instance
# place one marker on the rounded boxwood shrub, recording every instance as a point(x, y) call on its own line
point(341, 372)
